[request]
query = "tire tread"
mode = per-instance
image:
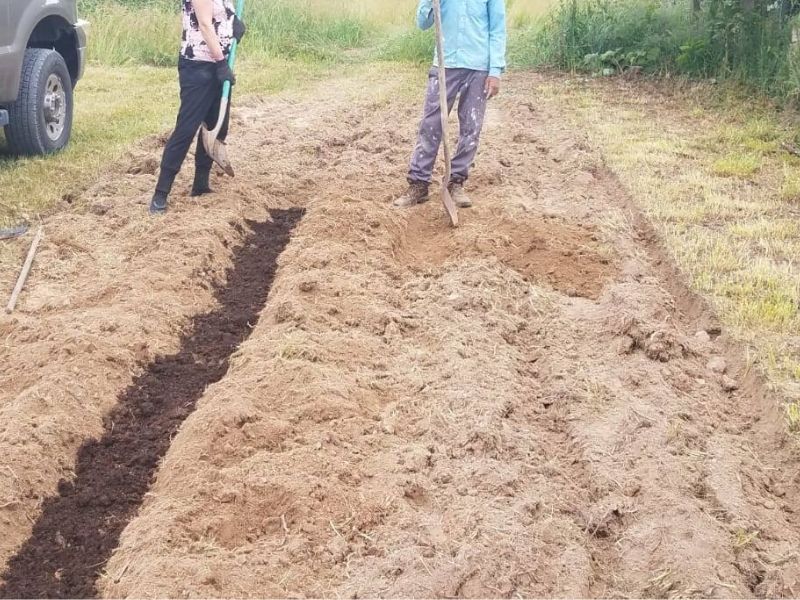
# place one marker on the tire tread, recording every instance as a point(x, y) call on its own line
point(23, 133)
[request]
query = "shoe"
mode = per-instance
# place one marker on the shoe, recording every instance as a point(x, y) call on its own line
point(158, 205)
point(201, 186)
point(459, 195)
point(417, 193)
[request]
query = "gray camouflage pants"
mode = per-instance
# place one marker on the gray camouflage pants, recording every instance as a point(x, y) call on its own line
point(469, 87)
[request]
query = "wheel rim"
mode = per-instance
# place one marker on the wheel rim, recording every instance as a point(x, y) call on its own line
point(55, 107)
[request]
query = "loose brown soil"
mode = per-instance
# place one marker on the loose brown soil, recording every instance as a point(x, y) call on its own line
point(113, 473)
point(526, 406)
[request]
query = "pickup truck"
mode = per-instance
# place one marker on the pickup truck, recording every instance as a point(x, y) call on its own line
point(42, 56)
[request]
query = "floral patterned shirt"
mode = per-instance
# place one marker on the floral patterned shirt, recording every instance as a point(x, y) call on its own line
point(193, 46)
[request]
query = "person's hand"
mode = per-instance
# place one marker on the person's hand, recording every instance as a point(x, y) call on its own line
point(239, 29)
point(492, 86)
point(224, 72)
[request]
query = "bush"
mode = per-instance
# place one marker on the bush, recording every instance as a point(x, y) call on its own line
point(723, 40)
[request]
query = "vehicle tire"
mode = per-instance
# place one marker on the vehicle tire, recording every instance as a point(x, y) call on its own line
point(41, 118)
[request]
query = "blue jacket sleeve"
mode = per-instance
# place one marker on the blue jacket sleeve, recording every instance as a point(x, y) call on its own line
point(497, 37)
point(425, 14)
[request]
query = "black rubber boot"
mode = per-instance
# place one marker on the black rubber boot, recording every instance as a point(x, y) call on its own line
point(201, 185)
point(159, 204)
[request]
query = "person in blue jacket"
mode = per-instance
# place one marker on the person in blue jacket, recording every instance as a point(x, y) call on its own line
point(475, 57)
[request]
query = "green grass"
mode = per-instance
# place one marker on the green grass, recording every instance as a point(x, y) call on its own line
point(149, 34)
point(121, 35)
point(412, 45)
point(739, 165)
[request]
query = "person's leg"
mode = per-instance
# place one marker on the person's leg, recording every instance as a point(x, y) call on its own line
point(420, 173)
point(471, 113)
point(202, 160)
point(196, 80)
point(430, 129)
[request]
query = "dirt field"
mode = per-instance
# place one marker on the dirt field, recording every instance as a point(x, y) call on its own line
point(291, 389)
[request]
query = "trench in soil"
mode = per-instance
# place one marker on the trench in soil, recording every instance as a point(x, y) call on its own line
point(78, 530)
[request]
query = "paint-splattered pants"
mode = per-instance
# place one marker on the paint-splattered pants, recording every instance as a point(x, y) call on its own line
point(470, 88)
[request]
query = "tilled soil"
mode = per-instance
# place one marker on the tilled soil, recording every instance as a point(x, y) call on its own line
point(531, 405)
point(113, 473)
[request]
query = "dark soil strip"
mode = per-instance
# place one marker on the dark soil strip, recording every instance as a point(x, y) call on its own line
point(80, 528)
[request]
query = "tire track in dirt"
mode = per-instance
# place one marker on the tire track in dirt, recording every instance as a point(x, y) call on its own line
point(425, 412)
point(77, 530)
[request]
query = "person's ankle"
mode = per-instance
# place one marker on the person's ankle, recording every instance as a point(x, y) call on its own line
point(159, 203)
point(201, 185)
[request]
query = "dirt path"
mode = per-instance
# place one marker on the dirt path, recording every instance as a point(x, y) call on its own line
point(523, 406)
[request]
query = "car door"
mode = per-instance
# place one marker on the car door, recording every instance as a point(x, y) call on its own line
point(6, 33)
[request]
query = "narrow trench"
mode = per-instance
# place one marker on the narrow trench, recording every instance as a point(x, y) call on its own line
point(80, 527)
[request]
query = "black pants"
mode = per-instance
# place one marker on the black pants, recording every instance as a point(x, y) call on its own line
point(200, 98)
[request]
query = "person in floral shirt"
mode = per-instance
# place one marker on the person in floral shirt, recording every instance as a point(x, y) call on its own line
point(209, 28)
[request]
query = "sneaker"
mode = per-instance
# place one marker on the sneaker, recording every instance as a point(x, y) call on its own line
point(417, 193)
point(158, 205)
point(459, 195)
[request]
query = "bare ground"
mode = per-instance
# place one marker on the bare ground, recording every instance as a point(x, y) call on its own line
point(530, 405)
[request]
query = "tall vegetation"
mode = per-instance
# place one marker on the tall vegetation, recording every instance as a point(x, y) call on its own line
point(148, 31)
point(745, 40)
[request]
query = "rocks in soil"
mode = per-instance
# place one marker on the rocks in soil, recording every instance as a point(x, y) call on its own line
point(717, 365)
point(729, 384)
point(702, 336)
point(664, 346)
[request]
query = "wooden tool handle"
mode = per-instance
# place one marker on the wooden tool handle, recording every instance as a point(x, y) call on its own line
point(26, 268)
point(437, 14)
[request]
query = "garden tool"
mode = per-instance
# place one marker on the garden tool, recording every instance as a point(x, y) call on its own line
point(447, 199)
point(216, 148)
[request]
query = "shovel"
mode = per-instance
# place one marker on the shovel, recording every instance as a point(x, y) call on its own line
point(216, 148)
point(447, 200)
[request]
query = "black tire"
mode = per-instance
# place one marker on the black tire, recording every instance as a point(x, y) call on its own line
point(32, 128)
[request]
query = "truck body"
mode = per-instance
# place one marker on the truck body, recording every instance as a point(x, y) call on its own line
point(42, 57)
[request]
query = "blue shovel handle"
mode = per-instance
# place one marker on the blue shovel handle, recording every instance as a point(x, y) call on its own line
point(226, 88)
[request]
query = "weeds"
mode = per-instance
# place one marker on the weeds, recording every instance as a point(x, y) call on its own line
point(723, 40)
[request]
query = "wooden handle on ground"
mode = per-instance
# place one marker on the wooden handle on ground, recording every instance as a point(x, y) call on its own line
point(26, 268)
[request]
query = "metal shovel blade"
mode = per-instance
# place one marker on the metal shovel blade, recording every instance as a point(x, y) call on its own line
point(218, 151)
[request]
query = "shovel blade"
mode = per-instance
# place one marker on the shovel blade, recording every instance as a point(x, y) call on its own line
point(218, 151)
point(450, 206)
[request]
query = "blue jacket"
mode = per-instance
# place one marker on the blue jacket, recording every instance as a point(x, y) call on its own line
point(474, 33)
